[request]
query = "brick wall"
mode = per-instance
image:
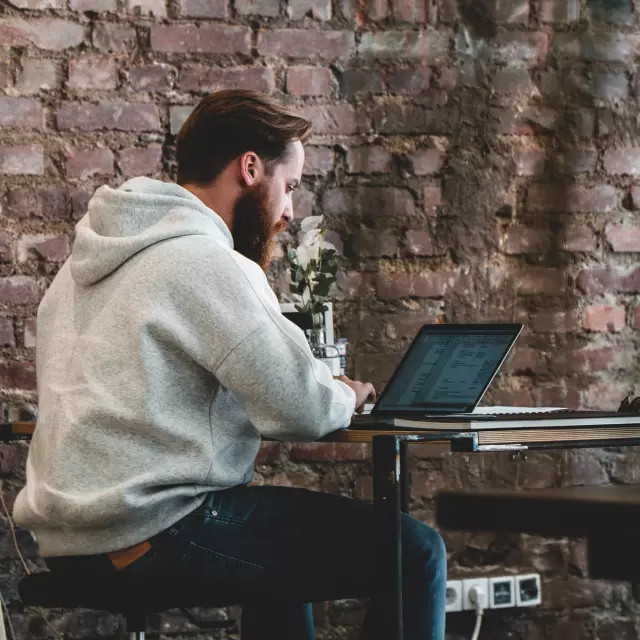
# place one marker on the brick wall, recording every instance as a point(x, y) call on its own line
point(475, 159)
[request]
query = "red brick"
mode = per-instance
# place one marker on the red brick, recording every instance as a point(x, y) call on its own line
point(636, 318)
point(604, 395)
point(579, 238)
point(22, 160)
point(529, 161)
point(605, 46)
point(5, 74)
point(590, 360)
point(410, 81)
point(5, 248)
point(207, 38)
point(316, 9)
point(541, 281)
point(414, 11)
point(303, 43)
point(433, 284)
point(526, 359)
point(92, 72)
point(432, 199)
point(152, 77)
point(39, 5)
point(419, 242)
point(83, 163)
point(51, 248)
point(608, 280)
point(329, 452)
point(525, 46)
point(154, 8)
point(552, 197)
point(521, 239)
point(45, 203)
point(269, 452)
point(623, 237)
point(363, 488)
point(310, 81)
point(524, 121)
point(610, 87)
point(303, 203)
point(369, 11)
point(7, 335)
point(368, 159)
point(140, 161)
point(19, 290)
point(37, 74)
point(634, 195)
point(576, 161)
point(551, 321)
point(428, 45)
point(371, 202)
point(427, 162)
point(18, 375)
point(21, 113)
point(79, 202)
point(203, 8)
point(30, 325)
point(347, 286)
point(411, 119)
point(623, 161)
point(98, 6)
point(370, 243)
point(318, 160)
point(354, 82)
point(121, 116)
point(560, 10)
point(114, 37)
point(333, 120)
point(509, 11)
point(604, 318)
point(512, 82)
point(51, 34)
point(205, 78)
point(265, 8)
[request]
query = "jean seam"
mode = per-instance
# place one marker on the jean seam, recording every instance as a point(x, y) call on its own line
point(226, 557)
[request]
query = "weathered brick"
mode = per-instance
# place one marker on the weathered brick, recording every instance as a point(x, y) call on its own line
point(316, 9)
point(578, 238)
point(610, 86)
point(426, 162)
point(303, 203)
point(419, 242)
point(355, 82)
point(575, 160)
point(609, 279)
point(620, 12)
point(22, 160)
point(39, 5)
point(207, 38)
point(5, 74)
point(18, 375)
point(370, 243)
point(431, 45)
point(302, 43)
point(258, 8)
point(593, 360)
point(37, 74)
point(604, 318)
point(509, 11)
point(411, 119)
point(623, 161)
point(530, 161)
point(269, 452)
point(541, 281)
point(140, 161)
point(410, 81)
point(178, 115)
point(21, 113)
point(552, 321)
point(361, 11)
point(368, 159)
point(30, 325)
point(92, 72)
point(513, 82)
point(329, 451)
point(7, 335)
point(203, 8)
point(431, 200)
point(347, 286)
point(433, 284)
point(623, 237)
point(560, 10)
point(79, 201)
point(83, 163)
point(553, 197)
point(524, 121)
point(98, 6)
point(155, 8)
point(114, 37)
point(19, 290)
point(51, 248)
point(5, 247)
point(415, 11)
point(45, 203)
point(604, 46)
point(524, 46)
point(152, 77)
point(338, 119)
point(526, 359)
point(634, 195)
point(121, 116)
point(206, 78)
point(521, 239)
point(369, 202)
point(310, 81)
point(51, 34)
point(318, 160)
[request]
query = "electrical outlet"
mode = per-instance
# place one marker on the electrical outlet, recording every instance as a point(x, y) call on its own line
point(467, 584)
point(502, 592)
point(454, 595)
point(528, 590)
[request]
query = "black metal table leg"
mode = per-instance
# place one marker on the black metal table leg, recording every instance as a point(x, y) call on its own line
point(387, 502)
point(404, 477)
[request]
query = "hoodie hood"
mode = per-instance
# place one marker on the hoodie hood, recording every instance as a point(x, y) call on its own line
point(141, 212)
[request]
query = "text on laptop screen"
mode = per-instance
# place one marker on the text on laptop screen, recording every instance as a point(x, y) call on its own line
point(447, 369)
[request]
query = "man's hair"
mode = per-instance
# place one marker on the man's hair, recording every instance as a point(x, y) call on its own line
point(231, 122)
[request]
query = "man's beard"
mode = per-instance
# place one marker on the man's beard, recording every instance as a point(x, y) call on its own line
point(252, 230)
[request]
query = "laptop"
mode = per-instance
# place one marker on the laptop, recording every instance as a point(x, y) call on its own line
point(446, 371)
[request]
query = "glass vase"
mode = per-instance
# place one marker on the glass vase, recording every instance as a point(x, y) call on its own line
point(328, 353)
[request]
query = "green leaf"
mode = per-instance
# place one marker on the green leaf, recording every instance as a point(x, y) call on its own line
point(319, 307)
point(322, 288)
point(291, 254)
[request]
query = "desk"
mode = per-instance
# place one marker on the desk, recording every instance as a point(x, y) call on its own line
point(390, 488)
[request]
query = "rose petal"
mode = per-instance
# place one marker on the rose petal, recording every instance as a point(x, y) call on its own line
point(312, 222)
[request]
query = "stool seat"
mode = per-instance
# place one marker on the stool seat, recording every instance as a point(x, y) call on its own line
point(126, 594)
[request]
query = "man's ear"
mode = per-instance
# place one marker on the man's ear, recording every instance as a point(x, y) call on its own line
point(251, 168)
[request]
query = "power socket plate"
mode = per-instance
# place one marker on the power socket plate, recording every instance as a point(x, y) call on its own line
point(502, 592)
point(454, 595)
point(467, 585)
point(528, 590)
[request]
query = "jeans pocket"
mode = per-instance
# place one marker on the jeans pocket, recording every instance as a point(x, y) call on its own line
point(220, 566)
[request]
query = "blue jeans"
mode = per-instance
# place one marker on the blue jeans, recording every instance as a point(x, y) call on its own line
point(294, 544)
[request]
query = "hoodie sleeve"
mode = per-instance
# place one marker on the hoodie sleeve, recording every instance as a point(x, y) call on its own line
point(287, 393)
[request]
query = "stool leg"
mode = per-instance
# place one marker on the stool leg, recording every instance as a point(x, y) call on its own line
point(136, 635)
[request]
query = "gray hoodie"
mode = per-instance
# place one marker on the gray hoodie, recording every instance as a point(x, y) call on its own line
point(162, 358)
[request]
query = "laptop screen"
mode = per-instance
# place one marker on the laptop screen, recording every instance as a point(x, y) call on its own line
point(448, 368)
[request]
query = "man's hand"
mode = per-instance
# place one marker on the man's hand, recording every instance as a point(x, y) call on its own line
point(363, 390)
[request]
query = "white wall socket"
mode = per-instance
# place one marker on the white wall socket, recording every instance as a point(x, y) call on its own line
point(467, 584)
point(502, 592)
point(454, 595)
point(528, 590)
